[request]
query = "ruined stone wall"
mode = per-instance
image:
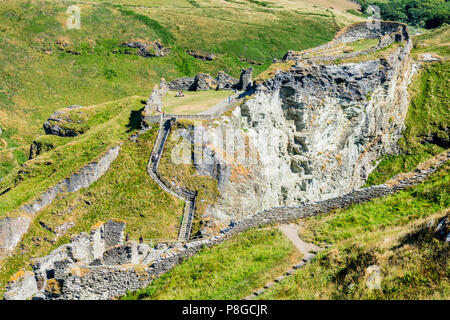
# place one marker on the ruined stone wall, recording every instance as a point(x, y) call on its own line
point(12, 229)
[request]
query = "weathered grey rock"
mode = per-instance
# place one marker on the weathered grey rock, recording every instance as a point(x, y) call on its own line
point(299, 265)
point(55, 125)
point(121, 254)
point(37, 148)
point(11, 232)
point(225, 81)
point(245, 80)
point(373, 277)
point(184, 84)
point(442, 230)
point(154, 102)
point(290, 272)
point(113, 233)
point(313, 133)
point(63, 228)
point(204, 81)
point(201, 55)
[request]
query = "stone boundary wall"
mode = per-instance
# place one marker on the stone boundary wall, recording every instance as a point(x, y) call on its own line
point(103, 282)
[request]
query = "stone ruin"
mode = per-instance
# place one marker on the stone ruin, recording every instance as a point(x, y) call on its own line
point(154, 102)
point(204, 81)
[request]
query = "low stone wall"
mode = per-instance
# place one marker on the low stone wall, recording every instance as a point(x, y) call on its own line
point(82, 179)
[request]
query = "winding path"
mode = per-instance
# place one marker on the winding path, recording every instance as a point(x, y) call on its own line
point(187, 196)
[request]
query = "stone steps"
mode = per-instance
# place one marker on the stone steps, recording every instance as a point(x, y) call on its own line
point(152, 169)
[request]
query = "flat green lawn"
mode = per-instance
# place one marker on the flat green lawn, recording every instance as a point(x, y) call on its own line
point(230, 270)
point(193, 101)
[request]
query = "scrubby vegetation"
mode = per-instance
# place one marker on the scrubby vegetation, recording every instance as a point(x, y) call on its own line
point(227, 271)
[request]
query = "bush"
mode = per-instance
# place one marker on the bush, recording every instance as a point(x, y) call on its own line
point(423, 13)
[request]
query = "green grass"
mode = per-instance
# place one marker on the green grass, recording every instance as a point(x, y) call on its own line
point(164, 35)
point(428, 116)
point(435, 42)
point(37, 175)
point(400, 208)
point(389, 232)
point(363, 44)
point(193, 102)
point(125, 192)
point(230, 270)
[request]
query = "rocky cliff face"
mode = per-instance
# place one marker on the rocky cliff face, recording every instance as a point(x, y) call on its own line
point(310, 133)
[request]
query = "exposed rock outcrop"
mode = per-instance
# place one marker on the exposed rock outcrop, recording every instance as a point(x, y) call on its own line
point(310, 133)
point(11, 232)
point(55, 125)
point(154, 102)
point(204, 81)
point(184, 84)
point(201, 55)
point(245, 79)
point(152, 49)
point(225, 81)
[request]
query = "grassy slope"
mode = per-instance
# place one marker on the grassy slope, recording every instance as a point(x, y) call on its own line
point(428, 113)
point(227, 271)
point(185, 176)
point(37, 175)
point(37, 77)
point(383, 232)
point(125, 192)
